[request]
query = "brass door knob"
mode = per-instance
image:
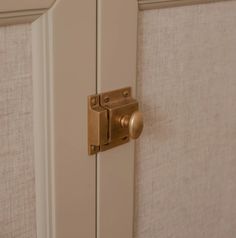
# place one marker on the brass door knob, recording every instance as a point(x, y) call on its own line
point(135, 124)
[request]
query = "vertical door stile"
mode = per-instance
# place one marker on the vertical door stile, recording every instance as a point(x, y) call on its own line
point(116, 68)
point(73, 72)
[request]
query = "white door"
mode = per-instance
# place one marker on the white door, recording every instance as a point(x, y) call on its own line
point(48, 181)
point(184, 163)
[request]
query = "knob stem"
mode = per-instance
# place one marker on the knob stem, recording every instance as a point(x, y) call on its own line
point(135, 124)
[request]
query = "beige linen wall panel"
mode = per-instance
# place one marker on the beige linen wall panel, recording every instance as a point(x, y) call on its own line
point(186, 159)
point(17, 182)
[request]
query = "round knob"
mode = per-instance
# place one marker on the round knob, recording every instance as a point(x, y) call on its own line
point(135, 124)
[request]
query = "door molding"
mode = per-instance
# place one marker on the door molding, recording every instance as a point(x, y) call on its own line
point(23, 11)
point(154, 4)
point(64, 74)
point(42, 118)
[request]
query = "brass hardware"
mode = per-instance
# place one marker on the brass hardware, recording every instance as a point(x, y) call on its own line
point(134, 123)
point(113, 118)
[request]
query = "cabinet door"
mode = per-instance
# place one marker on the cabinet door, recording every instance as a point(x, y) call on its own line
point(184, 163)
point(44, 132)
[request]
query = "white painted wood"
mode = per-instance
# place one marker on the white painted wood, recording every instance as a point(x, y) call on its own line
point(117, 35)
point(41, 124)
point(73, 71)
point(64, 74)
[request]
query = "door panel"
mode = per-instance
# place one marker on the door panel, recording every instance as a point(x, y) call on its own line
point(17, 176)
point(185, 163)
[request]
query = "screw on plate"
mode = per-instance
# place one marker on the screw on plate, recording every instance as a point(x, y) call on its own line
point(126, 93)
point(94, 148)
point(93, 101)
point(106, 99)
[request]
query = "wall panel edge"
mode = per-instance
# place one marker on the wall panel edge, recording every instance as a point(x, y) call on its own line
point(155, 4)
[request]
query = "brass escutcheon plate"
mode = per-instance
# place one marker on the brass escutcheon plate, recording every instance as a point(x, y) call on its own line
point(105, 113)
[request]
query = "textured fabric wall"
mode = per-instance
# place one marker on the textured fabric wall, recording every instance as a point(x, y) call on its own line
point(186, 157)
point(17, 190)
